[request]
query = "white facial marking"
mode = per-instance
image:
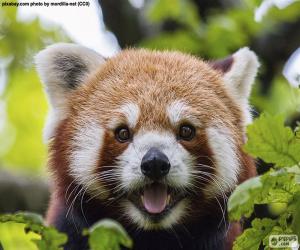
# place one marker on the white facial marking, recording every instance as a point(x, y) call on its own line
point(86, 146)
point(171, 219)
point(175, 215)
point(131, 112)
point(131, 176)
point(226, 160)
point(130, 160)
point(179, 110)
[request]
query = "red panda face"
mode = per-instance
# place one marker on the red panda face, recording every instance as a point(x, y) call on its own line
point(156, 135)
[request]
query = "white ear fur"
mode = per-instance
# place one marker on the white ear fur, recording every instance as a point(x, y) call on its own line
point(62, 67)
point(240, 77)
point(239, 71)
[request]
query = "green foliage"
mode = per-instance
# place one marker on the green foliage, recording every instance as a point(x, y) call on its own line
point(104, 235)
point(252, 238)
point(222, 33)
point(273, 187)
point(108, 235)
point(13, 237)
point(288, 14)
point(281, 99)
point(50, 238)
point(23, 102)
point(271, 141)
point(185, 41)
point(183, 11)
point(241, 203)
point(26, 110)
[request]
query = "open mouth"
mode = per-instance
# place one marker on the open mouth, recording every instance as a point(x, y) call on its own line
point(156, 199)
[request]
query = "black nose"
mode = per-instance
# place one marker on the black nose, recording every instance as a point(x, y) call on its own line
point(155, 164)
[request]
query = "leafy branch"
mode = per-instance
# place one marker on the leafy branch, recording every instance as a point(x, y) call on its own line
point(104, 235)
point(50, 238)
point(271, 141)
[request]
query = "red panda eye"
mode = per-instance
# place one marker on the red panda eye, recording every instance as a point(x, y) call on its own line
point(122, 134)
point(186, 132)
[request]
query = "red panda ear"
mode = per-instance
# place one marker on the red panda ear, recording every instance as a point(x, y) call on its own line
point(62, 68)
point(223, 65)
point(239, 71)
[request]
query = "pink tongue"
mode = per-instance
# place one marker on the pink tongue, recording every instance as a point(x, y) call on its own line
point(155, 198)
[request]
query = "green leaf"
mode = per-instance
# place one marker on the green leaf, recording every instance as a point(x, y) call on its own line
point(282, 98)
point(271, 141)
point(252, 237)
point(50, 239)
point(296, 215)
point(13, 237)
point(273, 187)
point(23, 217)
point(260, 232)
point(23, 105)
point(241, 201)
point(108, 235)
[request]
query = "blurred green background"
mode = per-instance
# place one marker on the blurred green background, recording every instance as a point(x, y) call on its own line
point(209, 29)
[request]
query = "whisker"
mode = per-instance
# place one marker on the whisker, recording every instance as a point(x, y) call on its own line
point(81, 206)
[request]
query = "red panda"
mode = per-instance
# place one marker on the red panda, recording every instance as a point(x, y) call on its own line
point(150, 139)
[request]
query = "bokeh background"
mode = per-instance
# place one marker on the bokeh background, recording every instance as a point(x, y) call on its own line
point(206, 28)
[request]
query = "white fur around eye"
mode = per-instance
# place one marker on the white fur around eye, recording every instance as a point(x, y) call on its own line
point(129, 163)
point(130, 160)
point(131, 112)
point(178, 111)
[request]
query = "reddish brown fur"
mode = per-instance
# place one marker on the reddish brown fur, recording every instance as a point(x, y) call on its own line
point(152, 80)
